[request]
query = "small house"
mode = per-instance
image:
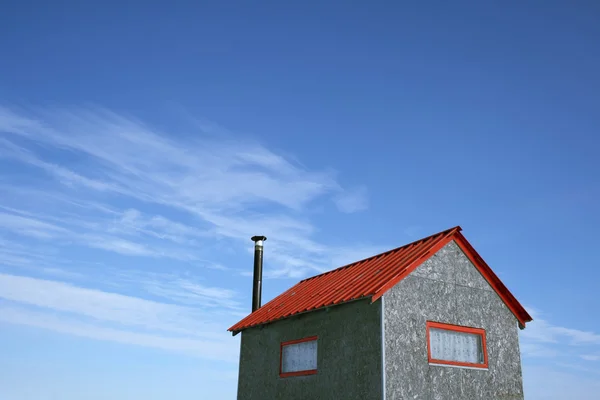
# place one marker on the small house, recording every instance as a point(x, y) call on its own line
point(428, 320)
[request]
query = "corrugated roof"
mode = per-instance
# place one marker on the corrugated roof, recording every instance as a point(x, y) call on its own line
point(371, 278)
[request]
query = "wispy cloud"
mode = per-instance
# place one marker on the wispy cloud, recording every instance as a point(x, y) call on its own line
point(591, 357)
point(543, 382)
point(212, 349)
point(229, 187)
point(101, 305)
point(120, 246)
point(352, 201)
point(190, 173)
point(558, 346)
point(184, 290)
point(105, 235)
point(111, 316)
point(542, 331)
point(29, 226)
point(112, 229)
point(132, 221)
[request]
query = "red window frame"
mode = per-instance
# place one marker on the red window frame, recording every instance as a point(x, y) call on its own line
point(457, 328)
point(295, 373)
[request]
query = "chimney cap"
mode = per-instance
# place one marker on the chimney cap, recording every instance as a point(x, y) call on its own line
point(258, 238)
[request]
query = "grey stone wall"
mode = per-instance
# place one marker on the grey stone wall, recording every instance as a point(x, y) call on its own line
point(348, 356)
point(448, 288)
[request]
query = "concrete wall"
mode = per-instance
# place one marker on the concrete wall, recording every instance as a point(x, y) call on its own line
point(348, 356)
point(448, 288)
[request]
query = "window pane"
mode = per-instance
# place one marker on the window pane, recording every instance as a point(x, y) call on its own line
point(299, 357)
point(455, 346)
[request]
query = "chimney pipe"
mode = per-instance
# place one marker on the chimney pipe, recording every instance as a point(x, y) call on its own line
point(258, 266)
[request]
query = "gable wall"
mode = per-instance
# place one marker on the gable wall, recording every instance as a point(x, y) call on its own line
point(348, 355)
point(448, 288)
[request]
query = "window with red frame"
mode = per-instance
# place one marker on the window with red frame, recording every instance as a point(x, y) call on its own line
point(298, 357)
point(456, 345)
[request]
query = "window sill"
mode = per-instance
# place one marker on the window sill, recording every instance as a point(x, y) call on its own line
point(298, 373)
point(483, 368)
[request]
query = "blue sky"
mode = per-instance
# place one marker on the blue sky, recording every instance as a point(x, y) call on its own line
point(141, 145)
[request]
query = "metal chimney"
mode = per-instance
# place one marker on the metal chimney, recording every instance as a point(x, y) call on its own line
point(258, 266)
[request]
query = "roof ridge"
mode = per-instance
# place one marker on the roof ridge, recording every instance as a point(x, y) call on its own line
point(457, 228)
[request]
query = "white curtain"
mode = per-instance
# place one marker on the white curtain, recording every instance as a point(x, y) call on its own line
point(299, 357)
point(455, 346)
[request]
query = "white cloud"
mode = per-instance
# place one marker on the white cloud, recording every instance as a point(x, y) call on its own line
point(130, 216)
point(232, 188)
point(134, 222)
point(105, 235)
point(215, 349)
point(352, 201)
point(561, 353)
point(590, 357)
point(66, 176)
point(577, 337)
point(540, 330)
point(537, 350)
point(96, 314)
point(544, 383)
point(105, 306)
point(119, 246)
point(29, 226)
point(193, 173)
point(184, 290)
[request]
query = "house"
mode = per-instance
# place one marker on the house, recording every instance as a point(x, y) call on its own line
point(428, 320)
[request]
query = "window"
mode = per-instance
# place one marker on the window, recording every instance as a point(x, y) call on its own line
point(456, 345)
point(298, 357)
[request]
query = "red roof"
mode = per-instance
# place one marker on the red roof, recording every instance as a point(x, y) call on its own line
point(371, 278)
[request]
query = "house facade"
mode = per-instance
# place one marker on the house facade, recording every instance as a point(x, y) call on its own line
point(348, 357)
point(429, 320)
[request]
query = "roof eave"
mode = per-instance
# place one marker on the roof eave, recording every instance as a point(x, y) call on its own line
point(509, 299)
point(234, 331)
